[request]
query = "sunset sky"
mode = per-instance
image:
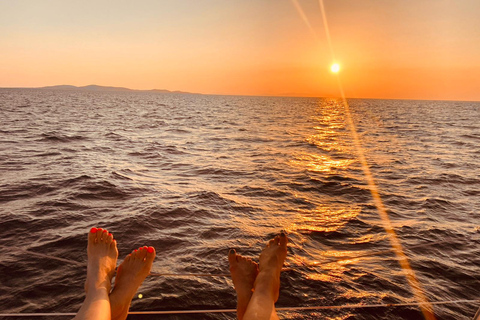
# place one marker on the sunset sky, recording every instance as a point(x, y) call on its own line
point(409, 49)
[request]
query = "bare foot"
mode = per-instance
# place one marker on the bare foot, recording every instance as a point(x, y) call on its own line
point(244, 272)
point(130, 275)
point(102, 259)
point(267, 283)
point(271, 262)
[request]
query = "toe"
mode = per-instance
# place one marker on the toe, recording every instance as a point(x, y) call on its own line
point(232, 257)
point(109, 238)
point(141, 253)
point(114, 243)
point(150, 253)
point(271, 242)
point(98, 235)
point(92, 235)
point(283, 240)
point(104, 235)
point(277, 240)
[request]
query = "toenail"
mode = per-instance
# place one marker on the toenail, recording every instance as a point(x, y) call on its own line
point(93, 230)
point(150, 249)
point(105, 231)
point(145, 247)
point(135, 250)
point(231, 251)
point(109, 234)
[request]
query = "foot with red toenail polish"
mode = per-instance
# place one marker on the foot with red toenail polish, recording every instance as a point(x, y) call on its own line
point(130, 275)
point(102, 259)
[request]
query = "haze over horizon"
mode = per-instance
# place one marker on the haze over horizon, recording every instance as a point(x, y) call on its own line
point(426, 49)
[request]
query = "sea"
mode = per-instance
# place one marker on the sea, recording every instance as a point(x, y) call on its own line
point(195, 175)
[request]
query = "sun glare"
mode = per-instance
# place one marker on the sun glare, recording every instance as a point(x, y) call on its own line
point(335, 68)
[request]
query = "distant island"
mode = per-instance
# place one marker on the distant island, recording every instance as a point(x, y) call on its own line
point(94, 87)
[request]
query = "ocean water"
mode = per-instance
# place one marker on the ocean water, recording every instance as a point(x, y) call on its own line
point(196, 175)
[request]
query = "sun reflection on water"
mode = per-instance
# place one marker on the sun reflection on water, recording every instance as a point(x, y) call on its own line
point(325, 250)
point(320, 163)
point(323, 219)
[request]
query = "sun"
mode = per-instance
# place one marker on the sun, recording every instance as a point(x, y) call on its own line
point(335, 68)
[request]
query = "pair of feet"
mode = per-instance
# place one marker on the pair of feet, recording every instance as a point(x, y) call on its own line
point(257, 286)
point(102, 261)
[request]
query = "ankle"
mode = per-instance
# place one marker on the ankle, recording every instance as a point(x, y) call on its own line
point(266, 283)
point(99, 286)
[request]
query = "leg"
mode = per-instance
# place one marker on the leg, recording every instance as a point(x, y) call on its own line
point(102, 259)
point(267, 283)
point(130, 275)
point(244, 272)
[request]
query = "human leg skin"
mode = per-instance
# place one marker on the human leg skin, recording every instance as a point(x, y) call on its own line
point(102, 259)
point(267, 283)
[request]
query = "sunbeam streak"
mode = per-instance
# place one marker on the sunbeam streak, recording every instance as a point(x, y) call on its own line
point(305, 19)
point(417, 290)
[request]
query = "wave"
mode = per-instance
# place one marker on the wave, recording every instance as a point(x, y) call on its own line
point(212, 171)
point(223, 177)
point(58, 137)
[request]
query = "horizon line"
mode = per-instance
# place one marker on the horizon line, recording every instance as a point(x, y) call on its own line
point(279, 95)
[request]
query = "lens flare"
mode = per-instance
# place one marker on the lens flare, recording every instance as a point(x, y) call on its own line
point(335, 68)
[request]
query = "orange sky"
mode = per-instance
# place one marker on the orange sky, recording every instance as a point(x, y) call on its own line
point(422, 49)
